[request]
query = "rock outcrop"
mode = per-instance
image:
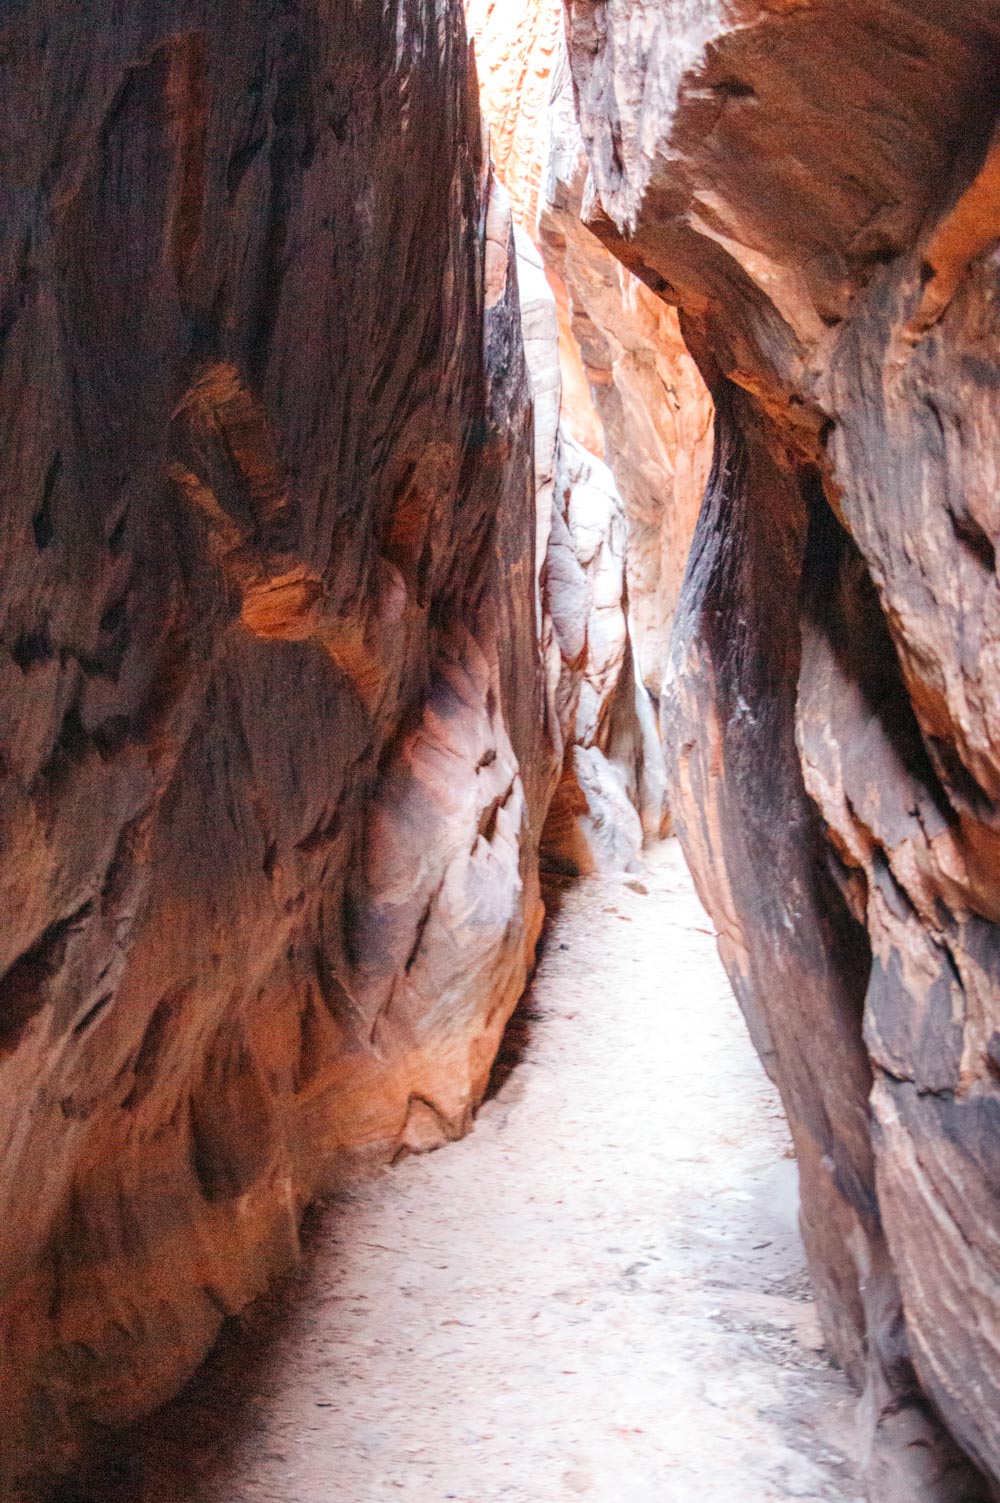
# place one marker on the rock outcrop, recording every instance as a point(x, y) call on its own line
point(814, 187)
point(274, 757)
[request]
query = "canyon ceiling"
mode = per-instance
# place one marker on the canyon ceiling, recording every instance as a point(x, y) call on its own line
point(356, 565)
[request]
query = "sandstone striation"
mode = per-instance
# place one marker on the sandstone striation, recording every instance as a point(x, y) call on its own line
point(520, 50)
point(274, 756)
point(631, 392)
point(814, 188)
point(654, 408)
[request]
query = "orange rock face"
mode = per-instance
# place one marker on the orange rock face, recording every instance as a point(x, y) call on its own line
point(815, 189)
point(631, 393)
point(654, 410)
point(521, 62)
point(628, 393)
point(273, 746)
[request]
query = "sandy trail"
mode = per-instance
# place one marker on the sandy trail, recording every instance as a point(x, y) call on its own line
point(600, 1294)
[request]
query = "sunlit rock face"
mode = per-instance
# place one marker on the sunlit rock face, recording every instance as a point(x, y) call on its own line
point(816, 189)
point(632, 395)
point(274, 756)
point(611, 794)
point(611, 379)
point(521, 56)
point(655, 410)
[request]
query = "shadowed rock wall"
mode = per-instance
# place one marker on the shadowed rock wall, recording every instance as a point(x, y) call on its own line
point(274, 757)
point(815, 187)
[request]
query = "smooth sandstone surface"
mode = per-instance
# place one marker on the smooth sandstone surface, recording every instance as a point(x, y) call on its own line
point(274, 751)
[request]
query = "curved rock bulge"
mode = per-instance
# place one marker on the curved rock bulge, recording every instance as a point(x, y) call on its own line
point(267, 523)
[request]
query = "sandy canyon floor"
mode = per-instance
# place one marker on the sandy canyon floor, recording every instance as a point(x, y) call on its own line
point(600, 1294)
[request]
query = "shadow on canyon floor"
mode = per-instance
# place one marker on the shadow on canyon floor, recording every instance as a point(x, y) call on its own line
point(517, 1037)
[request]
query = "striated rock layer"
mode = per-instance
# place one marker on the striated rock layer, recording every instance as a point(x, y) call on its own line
point(815, 187)
point(519, 49)
point(274, 757)
point(631, 392)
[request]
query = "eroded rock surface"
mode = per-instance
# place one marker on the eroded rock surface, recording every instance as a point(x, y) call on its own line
point(655, 410)
point(631, 392)
point(520, 52)
point(610, 376)
point(611, 794)
point(273, 747)
point(814, 187)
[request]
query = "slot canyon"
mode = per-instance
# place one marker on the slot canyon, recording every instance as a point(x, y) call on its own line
point(500, 654)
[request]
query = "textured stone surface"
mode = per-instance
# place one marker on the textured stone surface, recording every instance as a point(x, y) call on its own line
point(273, 747)
point(521, 59)
point(611, 793)
point(825, 225)
point(609, 564)
point(654, 409)
point(593, 824)
point(631, 393)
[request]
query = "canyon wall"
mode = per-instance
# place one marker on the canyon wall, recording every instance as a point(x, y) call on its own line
point(655, 412)
point(317, 588)
point(520, 50)
point(815, 188)
point(631, 392)
point(611, 793)
point(275, 746)
point(611, 549)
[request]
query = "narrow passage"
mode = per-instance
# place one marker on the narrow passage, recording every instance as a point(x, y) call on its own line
point(600, 1294)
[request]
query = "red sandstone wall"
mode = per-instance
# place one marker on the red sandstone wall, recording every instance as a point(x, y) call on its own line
point(815, 188)
point(273, 747)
